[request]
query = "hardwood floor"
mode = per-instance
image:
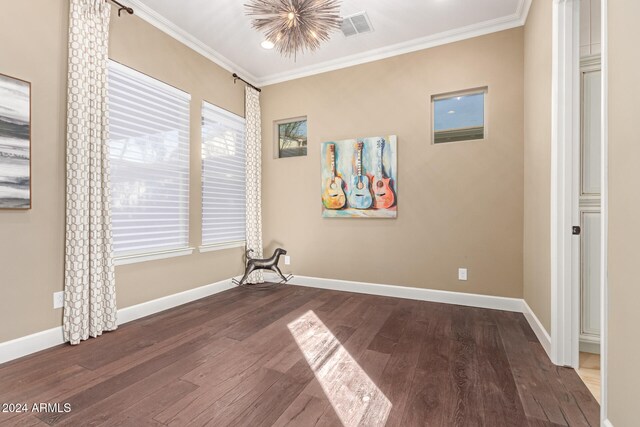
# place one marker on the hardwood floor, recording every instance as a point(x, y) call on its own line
point(589, 371)
point(303, 357)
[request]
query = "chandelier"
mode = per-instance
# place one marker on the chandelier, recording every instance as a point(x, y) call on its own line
point(295, 25)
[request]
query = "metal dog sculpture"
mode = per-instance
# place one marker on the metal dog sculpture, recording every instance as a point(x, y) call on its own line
point(271, 263)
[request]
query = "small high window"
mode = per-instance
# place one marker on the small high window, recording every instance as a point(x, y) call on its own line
point(459, 116)
point(291, 137)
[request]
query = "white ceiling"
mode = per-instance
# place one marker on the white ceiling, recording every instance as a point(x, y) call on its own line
point(221, 31)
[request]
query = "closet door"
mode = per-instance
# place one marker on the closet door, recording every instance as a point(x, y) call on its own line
point(590, 210)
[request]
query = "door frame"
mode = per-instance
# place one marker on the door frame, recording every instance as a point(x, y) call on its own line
point(565, 181)
point(604, 224)
point(565, 177)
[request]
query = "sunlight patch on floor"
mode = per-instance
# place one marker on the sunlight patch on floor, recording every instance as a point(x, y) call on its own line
point(354, 397)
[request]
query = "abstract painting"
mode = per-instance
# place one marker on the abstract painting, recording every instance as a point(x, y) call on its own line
point(360, 178)
point(15, 143)
point(292, 137)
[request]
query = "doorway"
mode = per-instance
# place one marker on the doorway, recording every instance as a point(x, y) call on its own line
point(568, 320)
point(590, 211)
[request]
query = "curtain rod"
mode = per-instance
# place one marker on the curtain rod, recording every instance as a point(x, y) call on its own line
point(122, 7)
point(237, 77)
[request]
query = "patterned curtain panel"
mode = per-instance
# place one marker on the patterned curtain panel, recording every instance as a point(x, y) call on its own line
point(254, 179)
point(89, 296)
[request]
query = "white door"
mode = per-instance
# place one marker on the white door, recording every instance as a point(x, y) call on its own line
point(590, 247)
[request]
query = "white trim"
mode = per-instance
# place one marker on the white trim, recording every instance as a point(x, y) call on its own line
point(33, 343)
point(517, 19)
point(593, 339)
point(565, 157)
point(144, 309)
point(538, 329)
point(604, 217)
point(26, 345)
point(516, 305)
point(587, 346)
point(221, 246)
point(396, 291)
point(42, 340)
point(163, 24)
point(133, 259)
point(590, 63)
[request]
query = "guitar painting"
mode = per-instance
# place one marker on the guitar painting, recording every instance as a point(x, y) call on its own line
point(383, 194)
point(360, 188)
point(333, 196)
point(369, 167)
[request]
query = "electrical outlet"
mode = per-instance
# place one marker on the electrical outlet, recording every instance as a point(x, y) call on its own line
point(462, 274)
point(287, 260)
point(58, 299)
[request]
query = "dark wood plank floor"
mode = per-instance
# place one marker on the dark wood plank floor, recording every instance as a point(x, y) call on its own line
point(303, 357)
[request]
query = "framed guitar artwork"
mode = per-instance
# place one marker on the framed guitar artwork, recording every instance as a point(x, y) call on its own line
point(360, 178)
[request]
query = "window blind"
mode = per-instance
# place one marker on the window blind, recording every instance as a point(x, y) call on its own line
point(223, 176)
point(149, 155)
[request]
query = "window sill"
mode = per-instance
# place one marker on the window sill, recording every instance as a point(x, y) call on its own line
point(221, 246)
point(133, 259)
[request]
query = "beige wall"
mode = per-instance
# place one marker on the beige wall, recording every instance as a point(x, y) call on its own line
point(459, 204)
point(537, 160)
point(32, 242)
point(624, 211)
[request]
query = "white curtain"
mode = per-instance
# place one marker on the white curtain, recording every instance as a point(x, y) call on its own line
point(254, 178)
point(89, 295)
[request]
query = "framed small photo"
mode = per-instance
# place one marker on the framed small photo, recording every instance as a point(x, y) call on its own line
point(291, 137)
point(15, 143)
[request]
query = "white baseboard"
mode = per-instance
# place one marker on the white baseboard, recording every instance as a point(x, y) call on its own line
point(24, 346)
point(144, 309)
point(589, 347)
point(446, 297)
point(42, 340)
point(517, 305)
point(538, 329)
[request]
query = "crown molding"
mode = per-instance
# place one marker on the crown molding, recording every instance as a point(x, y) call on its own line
point(149, 15)
point(517, 19)
point(523, 11)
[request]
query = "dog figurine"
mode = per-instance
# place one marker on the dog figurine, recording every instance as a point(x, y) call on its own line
point(271, 263)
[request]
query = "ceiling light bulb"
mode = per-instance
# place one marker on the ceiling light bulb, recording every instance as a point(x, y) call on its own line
point(291, 15)
point(267, 44)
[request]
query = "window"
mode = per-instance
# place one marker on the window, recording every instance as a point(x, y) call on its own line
point(459, 116)
point(291, 136)
point(223, 177)
point(149, 154)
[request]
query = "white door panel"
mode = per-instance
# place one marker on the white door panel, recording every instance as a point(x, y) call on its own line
point(591, 134)
point(590, 201)
point(590, 274)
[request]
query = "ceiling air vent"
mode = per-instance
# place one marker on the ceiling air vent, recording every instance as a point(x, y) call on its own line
point(356, 24)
